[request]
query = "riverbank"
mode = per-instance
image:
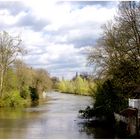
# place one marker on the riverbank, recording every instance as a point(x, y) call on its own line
point(83, 94)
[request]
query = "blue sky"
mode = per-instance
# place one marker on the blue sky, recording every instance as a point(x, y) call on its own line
point(56, 34)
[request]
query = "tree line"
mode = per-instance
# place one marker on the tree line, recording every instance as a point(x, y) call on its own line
point(20, 84)
point(80, 84)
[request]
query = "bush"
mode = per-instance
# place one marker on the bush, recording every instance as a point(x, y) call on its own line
point(107, 101)
point(13, 99)
point(25, 92)
point(34, 94)
point(109, 98)
point(62, 86)
point(81, 86)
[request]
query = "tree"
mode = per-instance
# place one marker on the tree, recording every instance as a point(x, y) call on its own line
point(62, 86)
point(81, 85)
point(11, 81)
point(117, 57)
point(77, 85)
point(9, 50)
point(55, 81)
point(29, 79)
point(25, 76)
point(118, 49)
point(42, 81)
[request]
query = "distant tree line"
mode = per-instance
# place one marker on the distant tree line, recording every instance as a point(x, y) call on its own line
point(80, 84)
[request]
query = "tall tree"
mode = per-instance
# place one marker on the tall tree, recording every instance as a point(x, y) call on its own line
point(9, 50)
point(42, 81)
point(25, 76)
point(118, 50)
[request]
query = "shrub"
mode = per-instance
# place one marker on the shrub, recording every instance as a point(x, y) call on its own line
point(62, 86)
point(107, 101)
point(13, 99)
point(34, 94)
point(25, 92)
point(108, 98)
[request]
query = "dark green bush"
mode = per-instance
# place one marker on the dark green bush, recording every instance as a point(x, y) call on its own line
point(34, 94)
point(109, 98)
point(107, 101)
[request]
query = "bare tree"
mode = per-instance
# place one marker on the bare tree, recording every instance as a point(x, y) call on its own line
point(121, 38)
point(9, 50)
point(118, 50)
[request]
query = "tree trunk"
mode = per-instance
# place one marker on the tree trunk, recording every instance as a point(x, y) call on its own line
point(1, 83)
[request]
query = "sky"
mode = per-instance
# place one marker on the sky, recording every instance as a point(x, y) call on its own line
point(56, 34)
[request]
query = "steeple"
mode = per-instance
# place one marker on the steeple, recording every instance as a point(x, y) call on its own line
point(76, 74)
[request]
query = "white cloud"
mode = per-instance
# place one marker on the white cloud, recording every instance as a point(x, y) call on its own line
point(55, 35)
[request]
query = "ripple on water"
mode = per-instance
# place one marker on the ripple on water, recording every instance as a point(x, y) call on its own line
point(54, 118)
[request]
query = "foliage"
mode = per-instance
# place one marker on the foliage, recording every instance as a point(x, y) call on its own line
point(10, 80)
point(63, 86)
point(34, 94)
point(13, 99)
point(18, 81)
point(118, 51)
point(9, 49)
point(54, 80)
point(23, 73)
point(107, 101)
point(81, 86)
point(117, 59)
point(25, 92)
point(23, 84)
point(42, 81)
point(77, 86)
point(29, 78)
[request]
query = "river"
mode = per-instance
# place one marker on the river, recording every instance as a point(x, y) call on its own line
point(57, 117)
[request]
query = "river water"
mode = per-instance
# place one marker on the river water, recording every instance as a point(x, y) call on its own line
point(57, 117)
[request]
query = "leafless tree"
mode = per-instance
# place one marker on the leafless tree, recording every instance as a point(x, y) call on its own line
point(10, 48)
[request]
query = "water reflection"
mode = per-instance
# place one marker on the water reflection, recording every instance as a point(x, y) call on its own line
point(98, 132)
point(54, 118)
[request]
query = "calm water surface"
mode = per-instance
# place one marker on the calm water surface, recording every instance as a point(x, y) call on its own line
point(55, 118)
